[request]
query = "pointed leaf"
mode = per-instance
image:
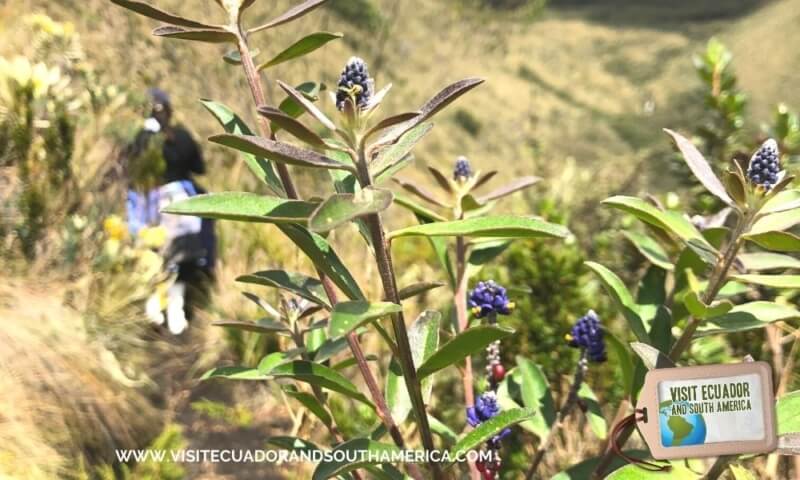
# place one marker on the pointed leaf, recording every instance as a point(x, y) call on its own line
point(295, 12)
point(489, 429)
point(390, 122)
point(293, 444)
point(774, 281)
point(341, 208)
point(305, 45)
point(768, 261)
point(288, 123)
point(347, 316)
point(306, 287)
point(702, 311)
point(309, 107)
point(777, 241)
point(235, 58)
point(651, 356)
point(668, 221)
point(417, 289)
point(423, 337)
point(309, 90)
point(320, 375)
point(650, 249)
point(700, 167)
point(361, 448)
point(395, 153)
point(776, 221)
point(311, 404)
point(461, 346)
point(446, 433)
point(208, 35)
point(748, 316)
point(265, 325)
point(233, 124)
point(501, 226)
point(536, 396)
point(324, 258)
point(158, 14)
point(624, 360)
point(235, 373)
point(622, 299)
point(441, 179)
point(782, 201)
point(418, 209)
point(278, 151)
point(244, 207)
point(484, 178)
point(419, 192)
point(515, 186)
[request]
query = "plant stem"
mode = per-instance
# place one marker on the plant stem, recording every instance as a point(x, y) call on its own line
point(715, 283)
point(566, 408)
point(254, 81)
point(389, 282)
point(462, 319)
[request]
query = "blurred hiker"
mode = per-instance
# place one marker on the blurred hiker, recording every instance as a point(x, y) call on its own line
point(161, 162)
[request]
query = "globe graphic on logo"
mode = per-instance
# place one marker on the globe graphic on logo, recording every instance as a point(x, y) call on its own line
point(680, 430)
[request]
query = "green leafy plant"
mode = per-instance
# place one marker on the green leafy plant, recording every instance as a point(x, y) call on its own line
point(360, 151)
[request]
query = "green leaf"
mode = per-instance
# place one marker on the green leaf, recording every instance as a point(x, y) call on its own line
point(622, 299)
point(536, 396)
point(278, 151)
point(461, 346)
point(624, 360)
point(305, 103)
point(700, 167)
point(651, 356)
point(157, 14)
point(782, 201)
point(207, 35)
point(243, 207)
point(777, 241)
point(439, 428)
point(650, 249)
point(740, 473)
point(296, 11)
point(418, 209)
point(310, 90)
point(301, 285)
point(679, 471)
point(768, 261)
point(489, 429)
point(776, 222)
point(787, 410)
point(324, 258)
point(774, 281)
point(395, 153)
point(423, 337)
point(702, 311)
point(320, 375)
point(419, 191)
point(312, 405)
point(504, 226)
point(747, 317)
point(341, 208)
point(594, 414)
point(235, 373)
point(347, 316)
point(305, 45)
point(258, 165)
point(281, 119)
point(417, 289)
point(264, 325)
point(361, 448)
point(272, 360)
point(235, 58)
point(329, 347)
point(668, 221)
point(518, 184)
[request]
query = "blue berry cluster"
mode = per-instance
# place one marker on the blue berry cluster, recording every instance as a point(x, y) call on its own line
point(462, 170)
point(486, 407)
point(354, 83)
point(765, 165)
point(588, 335)
point(489, 298)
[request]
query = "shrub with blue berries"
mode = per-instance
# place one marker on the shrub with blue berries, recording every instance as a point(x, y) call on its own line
point(486, 408)
point(489, 298)
point(765, 165)
point(355, 84)
point(587, 334)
